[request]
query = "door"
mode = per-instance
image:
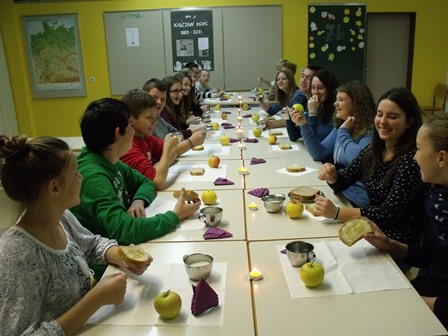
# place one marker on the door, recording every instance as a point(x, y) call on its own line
point(390, 49)
point(8, 121)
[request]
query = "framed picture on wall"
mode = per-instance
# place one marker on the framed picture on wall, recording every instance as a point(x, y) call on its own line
point(54, 56)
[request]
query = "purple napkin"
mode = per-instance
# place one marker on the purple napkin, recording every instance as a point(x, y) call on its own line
point(226, 112)
point(250, 140)
point(204, 297)
point(222, 181)
point(232, 140)
point(247, 116)
point(228, 127)
point(216, 233)
point(226, 124)
point(259, 192)
point(255, 160)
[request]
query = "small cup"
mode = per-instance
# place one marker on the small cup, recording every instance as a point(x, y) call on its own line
point(262, 124)
point(299, 253)
point(211, 216)
point(198, 265)
point(209, 132)
point(179, 135)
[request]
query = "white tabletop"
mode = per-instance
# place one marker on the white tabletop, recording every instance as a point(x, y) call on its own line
point(262, 225)
point(273, 173)
point(237, 307)
point(391, 312)
point(192, 229)
point(179, 176)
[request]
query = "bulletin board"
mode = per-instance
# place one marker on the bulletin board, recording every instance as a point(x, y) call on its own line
point(337, 39)
point(140, 46)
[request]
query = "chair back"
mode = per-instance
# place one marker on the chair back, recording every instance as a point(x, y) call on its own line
point(440, 94)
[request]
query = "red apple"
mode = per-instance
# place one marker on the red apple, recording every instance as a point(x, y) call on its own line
point(312, 274)
point(213, 161)
point(168, 304)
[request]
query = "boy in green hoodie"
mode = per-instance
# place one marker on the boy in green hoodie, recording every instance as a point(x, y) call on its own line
point(113, 195)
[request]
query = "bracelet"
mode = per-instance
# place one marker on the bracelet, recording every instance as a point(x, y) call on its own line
point(190, 143)
point(337, 212)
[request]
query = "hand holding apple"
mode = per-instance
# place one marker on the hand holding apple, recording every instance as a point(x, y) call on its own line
point(213, 161)
point(168, 304)
point(298, 107)
point(312, 274)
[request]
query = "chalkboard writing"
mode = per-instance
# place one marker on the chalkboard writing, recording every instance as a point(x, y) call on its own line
point(336, 39)
point(192, 38)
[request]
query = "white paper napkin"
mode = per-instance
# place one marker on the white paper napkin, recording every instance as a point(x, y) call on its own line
point(181, 173)
point(209, 149)
point(308, 170)
point(138, 305)
point(357, 269)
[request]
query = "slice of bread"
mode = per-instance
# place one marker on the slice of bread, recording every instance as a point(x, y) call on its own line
point(295, 168)
point(198, 148)
point(284, 146)
point(133, 255)
point(303, 193)
point(190, 195)
point(275, 133)
point(198, 171)
point(353, 230)
point(311, 208)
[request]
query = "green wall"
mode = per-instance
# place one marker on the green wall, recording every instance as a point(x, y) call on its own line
point(60, 117)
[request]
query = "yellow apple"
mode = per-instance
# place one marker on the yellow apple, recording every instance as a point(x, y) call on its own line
point(215, 126)
point(224, 116)
point(255, 117)
point(218, 107)
point(257, 132)
point(168, 304)
point(260, 90)
point(272, 139)
point(294, 209)
point(298, 107)
point(224, 140)
point(245, 107)
point(312, 274)
point(209, 197)
point(213, 161)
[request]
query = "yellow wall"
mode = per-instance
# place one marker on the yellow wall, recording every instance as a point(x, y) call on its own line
point(60, 117)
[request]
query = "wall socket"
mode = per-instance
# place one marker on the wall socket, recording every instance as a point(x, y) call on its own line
point(92, 79)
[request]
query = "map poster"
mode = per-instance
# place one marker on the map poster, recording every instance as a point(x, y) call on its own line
point(192, 38)
point(54, 56)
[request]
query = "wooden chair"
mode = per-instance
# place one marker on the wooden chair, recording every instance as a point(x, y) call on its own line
point(438, 101)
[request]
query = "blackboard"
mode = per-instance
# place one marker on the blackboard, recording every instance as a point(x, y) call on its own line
point(140, 46)
point(337, 39)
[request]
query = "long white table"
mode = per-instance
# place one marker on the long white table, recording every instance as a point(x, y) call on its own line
point(236, 310)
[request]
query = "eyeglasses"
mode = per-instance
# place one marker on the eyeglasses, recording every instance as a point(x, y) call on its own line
point(177, 91)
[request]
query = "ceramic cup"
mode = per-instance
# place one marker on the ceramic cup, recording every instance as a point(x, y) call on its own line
point(211, 216)
point(299, 253)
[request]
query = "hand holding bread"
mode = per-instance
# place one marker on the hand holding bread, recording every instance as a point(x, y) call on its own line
point(134, 258)
point(184, 210)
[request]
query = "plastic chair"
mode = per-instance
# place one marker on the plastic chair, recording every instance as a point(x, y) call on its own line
point(438, 101)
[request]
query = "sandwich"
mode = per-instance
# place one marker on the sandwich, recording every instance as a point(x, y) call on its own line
point(133, 255)
point(295, 168)
point(198, 171)
point(353, 230)
point(198, 148)
point(190, 195)
point(303, 193)
point(285, 146)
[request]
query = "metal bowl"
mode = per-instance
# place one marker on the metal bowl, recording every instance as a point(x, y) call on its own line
point(273, 203)
point(198, 265)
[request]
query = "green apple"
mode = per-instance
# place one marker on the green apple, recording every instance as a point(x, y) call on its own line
point(312, 274)
point(168, 304)
point(294, 209)
point(224, 116)
point(257, 132)
point(260, 90)
point(224, 140)
point(272, 139)
point(255, 117)
point(298, 107)
point(213, 161)
point(209, 197)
